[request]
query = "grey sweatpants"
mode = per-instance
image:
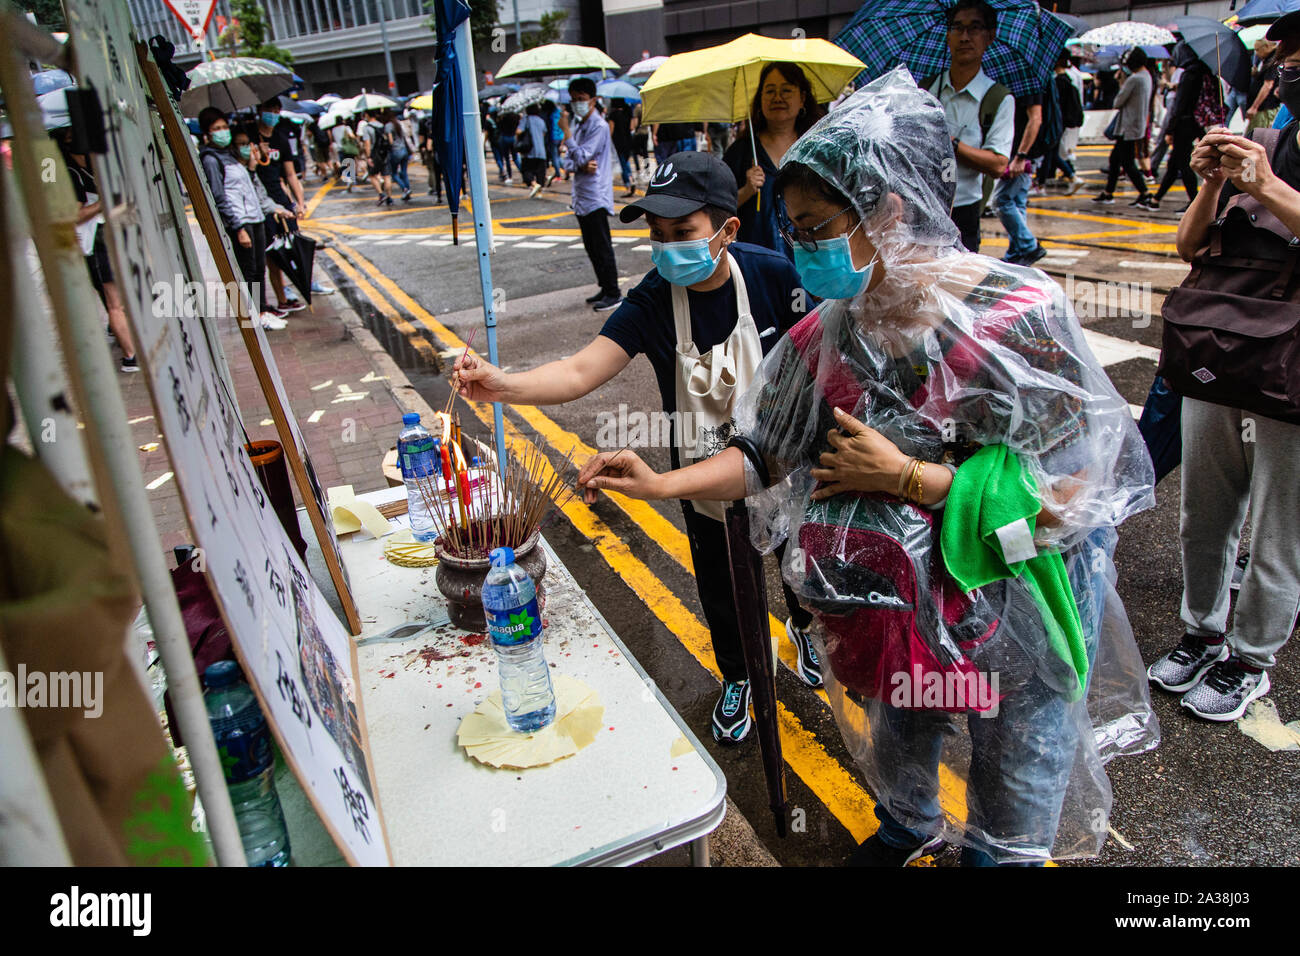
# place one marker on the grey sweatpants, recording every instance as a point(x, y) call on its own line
point(1224, 470)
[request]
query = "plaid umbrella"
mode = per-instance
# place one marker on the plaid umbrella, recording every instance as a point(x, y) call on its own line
point(1127, 33)
point(884, 33)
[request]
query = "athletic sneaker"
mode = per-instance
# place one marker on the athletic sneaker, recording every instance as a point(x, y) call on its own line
point(273, 322)
point(605, 303)
point(532, 193)
point(593, 299)
point(275, 311)
point(1105, 198)
point(1030, 257)
point(1148, 202)
point(1037, 191)
point(1181, 668)
point(809, 667)
point(874, 851)
point(319, 288)
point(1076, 184)
point(731, 720)
point(131, 364)
point(292, 305)
point(1226, 690)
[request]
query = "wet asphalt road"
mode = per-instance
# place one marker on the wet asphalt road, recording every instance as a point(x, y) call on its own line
point(1207, 795)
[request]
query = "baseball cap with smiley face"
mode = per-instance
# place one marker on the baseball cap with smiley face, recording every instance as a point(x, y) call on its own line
point(684, 183)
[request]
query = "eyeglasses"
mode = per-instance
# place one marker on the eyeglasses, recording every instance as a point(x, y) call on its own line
point(967, 28)
point(807, 237)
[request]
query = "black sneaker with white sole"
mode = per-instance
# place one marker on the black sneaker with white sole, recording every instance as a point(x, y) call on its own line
point(731, 720)
point(593, 299)
point(809, 668)
point(1226, 691)
point(874, 851)
point(1186, 664)
point(606, 303)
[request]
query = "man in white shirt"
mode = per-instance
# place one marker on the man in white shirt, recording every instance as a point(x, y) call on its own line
point(968, 95)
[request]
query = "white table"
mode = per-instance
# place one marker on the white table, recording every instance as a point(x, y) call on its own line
point(619, 801)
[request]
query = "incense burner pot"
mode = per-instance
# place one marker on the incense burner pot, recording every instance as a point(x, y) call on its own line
point(460, 581)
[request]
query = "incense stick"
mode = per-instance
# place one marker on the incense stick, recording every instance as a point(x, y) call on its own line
point(455, 378)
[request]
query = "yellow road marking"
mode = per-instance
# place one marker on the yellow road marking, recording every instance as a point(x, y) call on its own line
point(413, 336)
point(832, 784)
point(316, 199)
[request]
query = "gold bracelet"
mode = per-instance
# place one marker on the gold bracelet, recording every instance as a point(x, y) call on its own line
point(920, 483)
point(904, 475)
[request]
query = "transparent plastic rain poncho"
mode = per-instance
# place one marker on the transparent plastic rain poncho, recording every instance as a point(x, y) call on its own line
point(951, 352)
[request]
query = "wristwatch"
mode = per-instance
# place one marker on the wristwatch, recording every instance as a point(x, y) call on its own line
point(1022, 155)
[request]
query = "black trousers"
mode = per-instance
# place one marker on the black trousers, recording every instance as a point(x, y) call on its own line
point(967, 220)
point(600, 250)
point(1180, 160)
point(534, 170)
point(1123, 155)
point(252, 260)
point(708, 540)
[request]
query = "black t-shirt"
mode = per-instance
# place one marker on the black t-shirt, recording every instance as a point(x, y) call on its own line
point(644, 322)
point(281, 148)
point(673, 132)
point(621, 117)
point(1022, 119)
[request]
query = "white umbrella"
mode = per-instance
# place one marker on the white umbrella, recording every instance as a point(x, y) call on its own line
point(1127, 33)
point(371, 101)
point(328, 98)
point(646, 67)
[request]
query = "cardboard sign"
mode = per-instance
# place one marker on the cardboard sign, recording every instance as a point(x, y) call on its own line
point(195, 14)
point(298, 658)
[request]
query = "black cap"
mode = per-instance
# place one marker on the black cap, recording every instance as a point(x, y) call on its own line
point(1284, 26)
point(684, 183)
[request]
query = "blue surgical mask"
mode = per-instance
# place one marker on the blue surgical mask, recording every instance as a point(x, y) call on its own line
point(220, 138)
point(245, 152)
point(270, 119)
point(829, 272)
point(685, 263)
point(581, 108)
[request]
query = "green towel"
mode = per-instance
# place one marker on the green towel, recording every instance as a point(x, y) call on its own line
point(991, 492)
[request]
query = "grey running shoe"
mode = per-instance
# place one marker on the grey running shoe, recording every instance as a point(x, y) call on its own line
point(1186, 664)
point(810, 668)
point(731, 720)
point(1225, 692)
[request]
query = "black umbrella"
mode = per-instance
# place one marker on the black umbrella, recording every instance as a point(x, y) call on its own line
point(1217, 47)
point(295, 254)
point(756, 641)
point(310, 107)
point(1079, 25)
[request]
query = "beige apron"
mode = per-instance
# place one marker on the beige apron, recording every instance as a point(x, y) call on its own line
point(708, 385)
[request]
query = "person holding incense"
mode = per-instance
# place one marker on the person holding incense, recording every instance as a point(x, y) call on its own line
point(709, 299)
point(948, 462)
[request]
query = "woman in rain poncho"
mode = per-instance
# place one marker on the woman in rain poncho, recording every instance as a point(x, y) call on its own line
point(949, 463)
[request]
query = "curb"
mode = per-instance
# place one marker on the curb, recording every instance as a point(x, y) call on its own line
point(403, 393)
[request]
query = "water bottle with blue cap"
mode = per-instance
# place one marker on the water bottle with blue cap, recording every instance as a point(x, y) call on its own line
point(415, 456)
point(515, 625)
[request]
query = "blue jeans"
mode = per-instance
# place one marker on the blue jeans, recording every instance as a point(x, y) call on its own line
point(397, 169)
point(626, 168)
point(1011, 199)
point(1015, 790)
point(507, 153)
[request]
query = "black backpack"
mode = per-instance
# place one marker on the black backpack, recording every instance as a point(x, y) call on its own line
point(379, 146)
point(524, 139)
point(1049, 134)
point(1071, 102)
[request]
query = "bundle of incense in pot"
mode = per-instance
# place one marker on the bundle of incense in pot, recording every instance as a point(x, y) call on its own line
point(503, 507)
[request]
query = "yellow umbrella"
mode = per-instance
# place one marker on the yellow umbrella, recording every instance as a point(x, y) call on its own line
point(422, 102)
point(717, 84)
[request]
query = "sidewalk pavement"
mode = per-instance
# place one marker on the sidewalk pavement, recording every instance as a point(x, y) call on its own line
point(341, 387)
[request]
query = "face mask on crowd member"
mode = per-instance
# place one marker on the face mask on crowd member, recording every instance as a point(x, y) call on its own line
point(689, 257)
point(826, 266)
point(1288, 84)
point(690, 207)
point(270, 114)
point(581, 107)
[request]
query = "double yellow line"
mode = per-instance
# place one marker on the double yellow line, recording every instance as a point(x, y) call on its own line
point(832, 784)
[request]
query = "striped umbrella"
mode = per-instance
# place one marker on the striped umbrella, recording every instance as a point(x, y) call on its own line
point(884, 33)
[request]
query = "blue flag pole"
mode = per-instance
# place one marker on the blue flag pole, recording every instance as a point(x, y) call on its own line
point(478, 191)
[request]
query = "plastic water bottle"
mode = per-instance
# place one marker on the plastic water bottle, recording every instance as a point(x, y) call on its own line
point(244, 744)
point(416, 458)
point(515, 626)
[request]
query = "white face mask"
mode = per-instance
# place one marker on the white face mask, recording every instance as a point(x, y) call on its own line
point(581, 108)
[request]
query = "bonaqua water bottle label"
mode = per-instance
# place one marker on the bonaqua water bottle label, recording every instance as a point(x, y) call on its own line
point(244, 755)
point(519, 626)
